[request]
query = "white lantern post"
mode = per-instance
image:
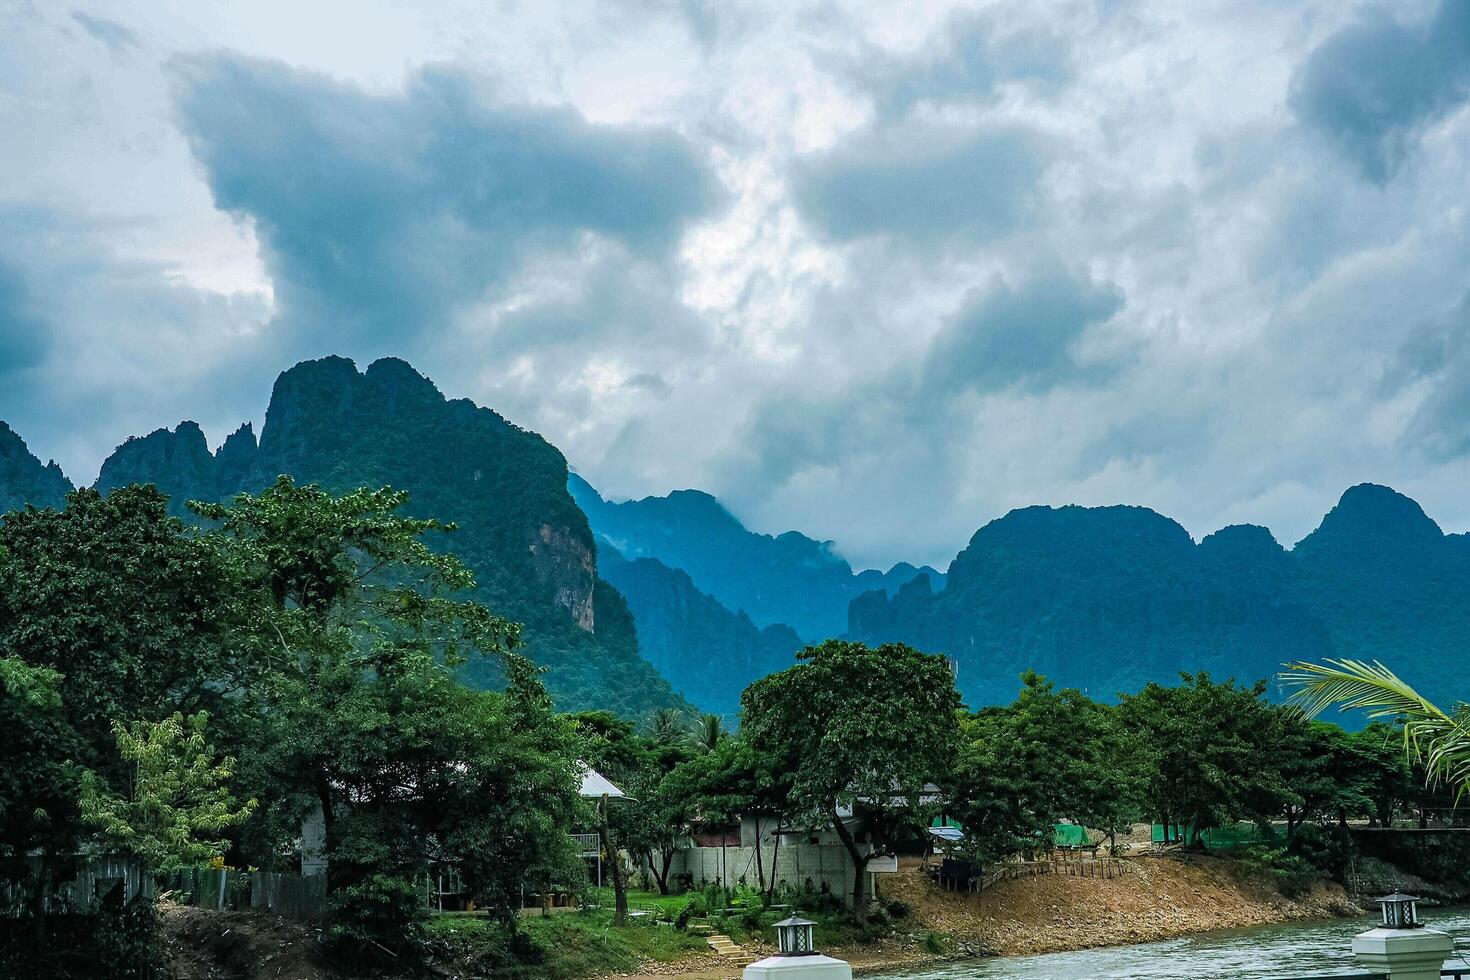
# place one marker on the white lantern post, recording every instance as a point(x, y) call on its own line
point(797, 957)
point(1401, 947)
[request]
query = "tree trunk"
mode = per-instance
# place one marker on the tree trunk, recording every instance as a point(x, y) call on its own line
point(619, 875)
point(329, 831)
point(760, 868)
point(660, 868)
point(775, 859)
point(859, 869)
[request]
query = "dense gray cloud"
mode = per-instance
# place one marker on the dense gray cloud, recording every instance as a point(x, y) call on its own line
point(1017, 336)
point(924, 182)
point(23, 335)
point(1374, 86)
point(1438, 354)
point(380, 215)
point(970, 58)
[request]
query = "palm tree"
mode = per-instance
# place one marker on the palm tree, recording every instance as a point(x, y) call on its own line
point(1438, 739)
point(708, 732)
point(666, 727)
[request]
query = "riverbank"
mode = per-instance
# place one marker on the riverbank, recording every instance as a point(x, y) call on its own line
point(1154, 898)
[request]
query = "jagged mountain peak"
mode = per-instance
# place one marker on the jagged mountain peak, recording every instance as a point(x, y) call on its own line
point(1370, 515)
point(23, 478)
point(505, 488)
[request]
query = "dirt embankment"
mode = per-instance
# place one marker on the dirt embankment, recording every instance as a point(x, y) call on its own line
point(1154, 898)
point(240, 946)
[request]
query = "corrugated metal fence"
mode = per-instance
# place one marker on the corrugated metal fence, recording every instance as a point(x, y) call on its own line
point(207, 888)
point(259, 891)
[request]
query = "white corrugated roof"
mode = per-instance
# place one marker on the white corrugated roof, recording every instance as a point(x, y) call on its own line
point(595, 785)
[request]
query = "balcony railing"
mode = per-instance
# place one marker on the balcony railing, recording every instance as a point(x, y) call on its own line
point(588, 843)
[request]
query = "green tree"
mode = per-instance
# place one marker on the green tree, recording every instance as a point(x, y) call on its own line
point(613, 748)
point(869, 730)
point(38, 788)
point(1209, 752)
point(709, 731)
point(1050, 755)
point(139, 618)
point(357, 711)
point(109, 609)
point(178, 804)
point(1390, 779)
point(1329, 773)
point(732, 781)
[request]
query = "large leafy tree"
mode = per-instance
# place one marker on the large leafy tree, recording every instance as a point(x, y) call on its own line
point(109, 611)
point(1209, 749)
point(869, 729)
point(38, 787)
point(733, 780)
point(138, 618)
point(613, 747)
point(1050, 755)
point(357, 711)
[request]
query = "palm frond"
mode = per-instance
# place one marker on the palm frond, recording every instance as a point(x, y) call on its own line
point(1437, 739)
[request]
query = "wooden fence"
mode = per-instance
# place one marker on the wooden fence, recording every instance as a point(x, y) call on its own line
point(291, 895)
point(1075, 864)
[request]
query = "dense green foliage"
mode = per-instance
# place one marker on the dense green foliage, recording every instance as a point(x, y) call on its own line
point(519, 532)
point(1195, 756)
point(177, 806)
point(1050, 756)
point(1108, 599)
point(324, 632)
point(787, 579)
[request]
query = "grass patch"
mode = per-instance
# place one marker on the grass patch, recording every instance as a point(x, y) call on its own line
point(557, 947)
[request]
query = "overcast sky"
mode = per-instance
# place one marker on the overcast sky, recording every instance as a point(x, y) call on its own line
point(877, 272)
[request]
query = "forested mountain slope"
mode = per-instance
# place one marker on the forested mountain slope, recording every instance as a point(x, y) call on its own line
point(518, 529)
point(787, 579)
point(23, 479)
point(708, 653)
point(1108, 598)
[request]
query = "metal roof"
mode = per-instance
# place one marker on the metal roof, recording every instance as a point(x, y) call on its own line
point(595, 785)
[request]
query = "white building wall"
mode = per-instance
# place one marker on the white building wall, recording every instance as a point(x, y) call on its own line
point(795, 865)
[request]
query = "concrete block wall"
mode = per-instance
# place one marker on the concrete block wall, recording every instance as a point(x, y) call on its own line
point(795, 864)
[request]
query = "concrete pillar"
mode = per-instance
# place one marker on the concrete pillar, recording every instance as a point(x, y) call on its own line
point(813, 966)
point(1404, 954)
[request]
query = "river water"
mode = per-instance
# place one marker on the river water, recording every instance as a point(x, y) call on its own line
point(1261, 953)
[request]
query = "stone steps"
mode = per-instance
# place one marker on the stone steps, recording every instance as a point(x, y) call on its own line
point(726, 947)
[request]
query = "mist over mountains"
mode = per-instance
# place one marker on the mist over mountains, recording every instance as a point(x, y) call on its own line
point(670, 601)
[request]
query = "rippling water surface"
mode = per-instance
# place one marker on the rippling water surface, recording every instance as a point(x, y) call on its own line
point(1262, 953)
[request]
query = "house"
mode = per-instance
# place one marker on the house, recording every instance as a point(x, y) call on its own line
point(445, 889)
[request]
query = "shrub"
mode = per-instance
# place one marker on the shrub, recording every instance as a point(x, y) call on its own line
point(383, 914)
point(1330, 850)
point(1292, 874)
